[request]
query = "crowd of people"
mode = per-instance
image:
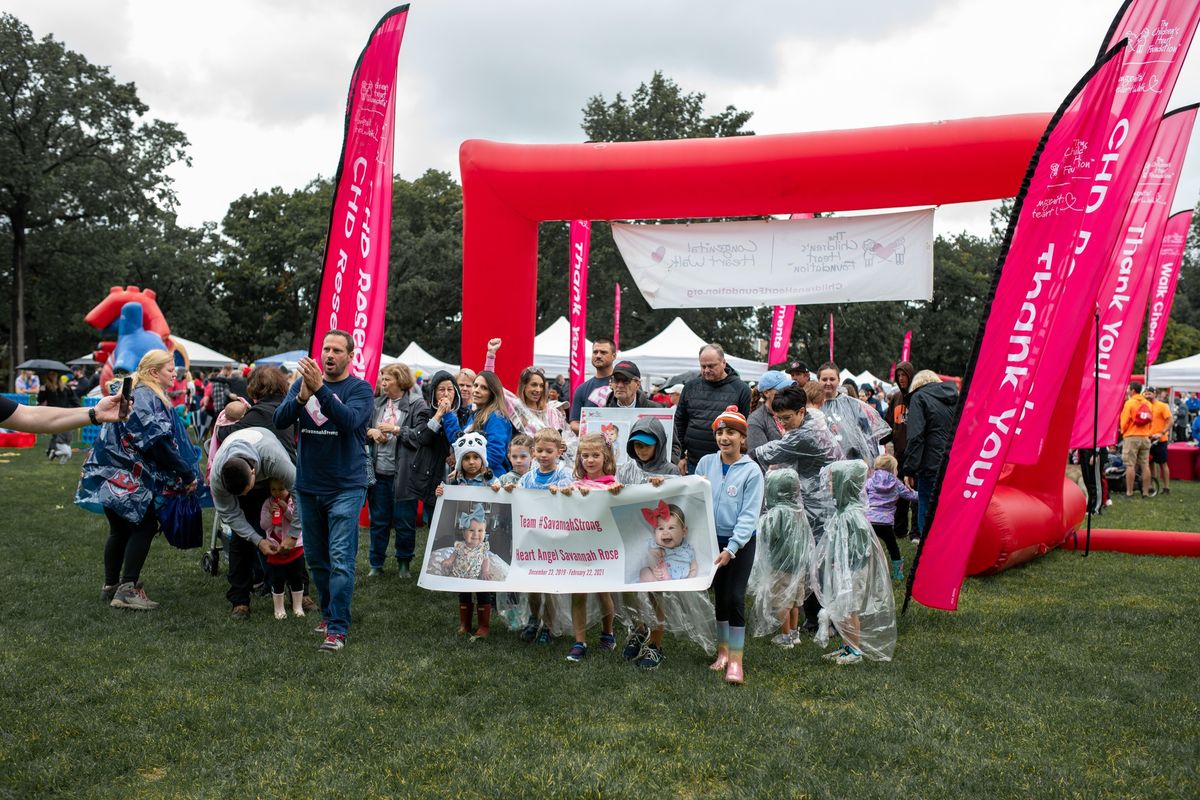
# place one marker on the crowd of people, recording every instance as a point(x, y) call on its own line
point(813, 480)
point(293, 459)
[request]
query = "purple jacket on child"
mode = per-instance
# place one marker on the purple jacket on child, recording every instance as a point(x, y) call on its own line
point(883, 490)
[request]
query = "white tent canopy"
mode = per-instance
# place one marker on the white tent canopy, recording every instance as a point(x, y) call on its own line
point(866, 377)
point(201, 356)
point(552, 348)
point(1181, 374)
point(677, 349)
point(198, 355)
point(418, 357)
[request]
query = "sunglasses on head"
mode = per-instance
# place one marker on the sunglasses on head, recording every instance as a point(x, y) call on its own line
point(528, 372)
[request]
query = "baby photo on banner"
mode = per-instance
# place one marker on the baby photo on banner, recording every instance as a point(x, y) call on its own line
point(644, 538)
point(472, 541)
point(614, 425)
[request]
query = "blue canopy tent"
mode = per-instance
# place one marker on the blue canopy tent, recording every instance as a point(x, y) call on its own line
point(288, 360)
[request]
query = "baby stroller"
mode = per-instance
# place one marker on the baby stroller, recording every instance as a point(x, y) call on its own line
point(210, 562)
point(1114, 476)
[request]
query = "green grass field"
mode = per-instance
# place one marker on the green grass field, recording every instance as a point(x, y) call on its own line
point(1068, 677)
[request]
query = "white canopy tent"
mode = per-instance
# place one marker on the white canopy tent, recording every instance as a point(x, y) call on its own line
point(198, 355)
point(418, 357)
point(866, 377)
point(1182, 374)
point(677, 349)
point(552, 348)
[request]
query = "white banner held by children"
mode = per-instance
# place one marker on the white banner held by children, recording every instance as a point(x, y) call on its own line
point(614, 425)
point(781, 262)
point(644, 538)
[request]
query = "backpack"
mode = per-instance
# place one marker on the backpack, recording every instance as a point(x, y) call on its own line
point(1144, 415)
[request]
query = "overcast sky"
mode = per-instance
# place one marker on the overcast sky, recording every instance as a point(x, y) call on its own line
point(259, 86)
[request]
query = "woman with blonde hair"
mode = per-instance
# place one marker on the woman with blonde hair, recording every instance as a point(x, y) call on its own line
point(397, 431)
point(132, 463)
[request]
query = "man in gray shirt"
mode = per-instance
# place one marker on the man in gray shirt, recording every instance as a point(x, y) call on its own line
point(241, 475)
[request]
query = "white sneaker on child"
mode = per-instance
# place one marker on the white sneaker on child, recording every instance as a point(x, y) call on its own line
point(851, 656)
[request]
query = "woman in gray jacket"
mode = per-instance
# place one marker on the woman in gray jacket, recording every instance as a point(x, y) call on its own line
point(400, 415)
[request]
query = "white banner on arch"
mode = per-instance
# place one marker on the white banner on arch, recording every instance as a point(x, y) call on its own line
point(781, 262)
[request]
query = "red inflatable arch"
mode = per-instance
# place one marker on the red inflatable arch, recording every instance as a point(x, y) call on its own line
point(509, 188)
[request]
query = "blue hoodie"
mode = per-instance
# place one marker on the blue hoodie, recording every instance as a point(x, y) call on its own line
point(737, 498)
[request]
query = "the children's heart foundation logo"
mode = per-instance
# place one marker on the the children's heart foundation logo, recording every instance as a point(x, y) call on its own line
point(659, 253)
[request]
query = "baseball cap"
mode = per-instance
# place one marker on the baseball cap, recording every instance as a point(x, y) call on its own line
point(797, 366)
point(774, 380)
point(643, 438)
point(628, 369)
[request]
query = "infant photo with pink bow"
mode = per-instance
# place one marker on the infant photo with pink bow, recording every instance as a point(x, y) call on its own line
point(669, 557)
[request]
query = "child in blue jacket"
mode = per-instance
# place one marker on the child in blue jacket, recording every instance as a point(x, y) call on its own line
point(737, 492)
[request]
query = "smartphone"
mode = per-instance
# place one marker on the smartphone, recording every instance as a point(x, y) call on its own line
point(127, 388)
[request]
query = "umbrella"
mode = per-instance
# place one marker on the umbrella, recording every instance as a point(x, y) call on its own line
point(683, 377)
point(43, 365)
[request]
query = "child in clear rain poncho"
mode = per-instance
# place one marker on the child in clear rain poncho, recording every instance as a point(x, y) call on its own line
point(779, 581)
point(850, 575)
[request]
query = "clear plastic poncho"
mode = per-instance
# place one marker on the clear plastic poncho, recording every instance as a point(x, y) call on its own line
point(807, 449)
point(779, 580)
point(857, 426)
point(850, 574)
point(688, 615)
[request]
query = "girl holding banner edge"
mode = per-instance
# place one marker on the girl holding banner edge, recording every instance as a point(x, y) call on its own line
point(595, 468)
point(737, 493)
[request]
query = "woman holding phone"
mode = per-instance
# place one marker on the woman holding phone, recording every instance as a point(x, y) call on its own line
point(132, 463)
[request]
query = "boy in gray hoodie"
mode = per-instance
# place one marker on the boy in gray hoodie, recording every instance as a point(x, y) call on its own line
point(649, 457)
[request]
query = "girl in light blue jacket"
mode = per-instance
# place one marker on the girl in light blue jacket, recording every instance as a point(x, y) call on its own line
point(737, 491)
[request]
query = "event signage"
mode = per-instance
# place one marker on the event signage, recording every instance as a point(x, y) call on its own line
point(581, 245)
point(614, 424)
point(531, 540)
point(1166, 276)
point(1028, 291)
point(355, 273)
point(781, 262)
point(782, 318)
point(906, 348)
point(1123, 295)
point(1158, 35)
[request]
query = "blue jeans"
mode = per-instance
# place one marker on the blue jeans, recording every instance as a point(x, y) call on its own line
point(387, 513)
point(924, 495)
point(330, 548)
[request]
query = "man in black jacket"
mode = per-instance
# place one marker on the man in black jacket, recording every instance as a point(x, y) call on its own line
point(701, 401)
point(930, 429)
point(627, 388)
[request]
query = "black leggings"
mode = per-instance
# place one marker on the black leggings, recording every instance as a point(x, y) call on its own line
point(887, 535)
point(729, 586)
point(292, 574)
point(481, 598)
point(127, 546)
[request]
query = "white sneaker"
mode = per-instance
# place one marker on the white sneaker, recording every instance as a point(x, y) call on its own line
point(797, 637)
point(783, 640)
point(851, 656)
point(833, 655)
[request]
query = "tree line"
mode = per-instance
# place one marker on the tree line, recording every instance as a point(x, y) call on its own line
point(85, 204)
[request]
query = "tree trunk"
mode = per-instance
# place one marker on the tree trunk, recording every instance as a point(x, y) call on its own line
point(18, 297)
